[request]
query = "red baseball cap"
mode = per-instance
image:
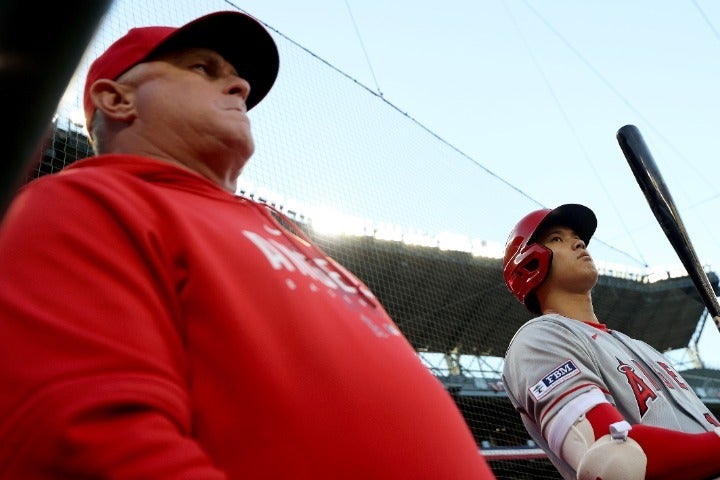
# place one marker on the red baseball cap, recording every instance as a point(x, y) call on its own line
point(239, 38)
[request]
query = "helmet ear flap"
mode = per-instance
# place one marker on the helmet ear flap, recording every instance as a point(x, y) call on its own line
point(526, 271)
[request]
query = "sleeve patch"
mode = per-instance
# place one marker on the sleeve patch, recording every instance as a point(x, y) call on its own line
point(557, 375)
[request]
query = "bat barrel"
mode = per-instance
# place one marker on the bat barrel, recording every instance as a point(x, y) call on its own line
point(661, 203)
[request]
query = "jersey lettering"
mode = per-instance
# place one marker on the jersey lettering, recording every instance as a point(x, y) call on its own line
point(650, 377)
point(281, 257)
point(643, 393)
point(337, 278)
point(274, 256)
point(300, 262)
point(670, 371)
point(711, 419)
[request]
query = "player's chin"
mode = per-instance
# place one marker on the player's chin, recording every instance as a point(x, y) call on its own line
point(593, 271)
point(588, 266)
point(589, 261)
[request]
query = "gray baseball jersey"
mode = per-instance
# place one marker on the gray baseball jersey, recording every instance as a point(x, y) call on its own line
point(557, 368)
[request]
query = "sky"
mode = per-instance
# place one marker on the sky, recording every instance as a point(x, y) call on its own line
point(535, 92)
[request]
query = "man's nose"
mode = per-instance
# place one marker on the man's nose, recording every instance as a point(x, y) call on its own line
point(238, 86)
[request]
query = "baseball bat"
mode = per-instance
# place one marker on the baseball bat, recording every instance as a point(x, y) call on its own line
point(34, 73)
point(663, 207)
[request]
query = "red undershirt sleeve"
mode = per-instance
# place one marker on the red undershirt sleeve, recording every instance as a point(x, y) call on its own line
point(670, 454)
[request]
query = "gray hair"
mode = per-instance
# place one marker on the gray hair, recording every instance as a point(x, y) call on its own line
point(97, 131)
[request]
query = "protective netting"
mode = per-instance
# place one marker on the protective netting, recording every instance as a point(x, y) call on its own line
point(419, 221)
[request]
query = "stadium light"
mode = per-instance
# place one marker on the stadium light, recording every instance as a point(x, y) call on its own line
point(328, 221)
point(419, 239)
point(449, 241)
point(388, 232)
point(487, 249)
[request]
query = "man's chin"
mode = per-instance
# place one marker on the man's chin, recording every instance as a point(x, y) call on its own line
point(242, 146)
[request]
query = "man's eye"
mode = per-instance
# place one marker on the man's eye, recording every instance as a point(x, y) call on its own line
point(201, 67)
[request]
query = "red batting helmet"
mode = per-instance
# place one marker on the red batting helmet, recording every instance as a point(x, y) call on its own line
point(526, 263)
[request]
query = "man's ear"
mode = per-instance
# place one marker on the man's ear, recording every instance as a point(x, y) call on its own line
point(115, 100)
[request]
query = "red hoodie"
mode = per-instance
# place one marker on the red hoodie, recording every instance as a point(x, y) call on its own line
point(156, 326)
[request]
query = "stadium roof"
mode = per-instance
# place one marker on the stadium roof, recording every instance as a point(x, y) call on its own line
point(418, 285)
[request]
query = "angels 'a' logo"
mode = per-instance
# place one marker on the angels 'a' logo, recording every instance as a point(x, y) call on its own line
point(642, 391)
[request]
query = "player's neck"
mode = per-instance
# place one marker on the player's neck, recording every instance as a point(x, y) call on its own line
point(577, 307)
